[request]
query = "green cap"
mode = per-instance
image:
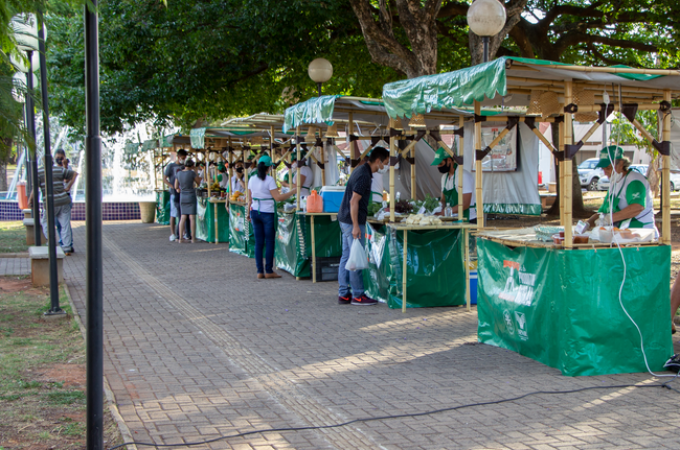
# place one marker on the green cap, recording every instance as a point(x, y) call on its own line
point(609, 154)
point(250, 156)
point(221, 167)
point(440, 156)
point(266, 160)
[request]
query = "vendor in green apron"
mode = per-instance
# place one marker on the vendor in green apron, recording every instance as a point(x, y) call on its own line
point(306, 175)
point(629, 196)
point(450, 174)
point(263, 195)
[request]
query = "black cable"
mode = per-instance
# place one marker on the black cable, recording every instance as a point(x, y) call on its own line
point(400, 416)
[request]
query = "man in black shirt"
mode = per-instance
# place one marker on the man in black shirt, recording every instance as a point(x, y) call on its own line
point(352, 217)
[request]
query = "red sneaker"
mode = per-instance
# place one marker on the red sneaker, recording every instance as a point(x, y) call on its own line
point(364, 301)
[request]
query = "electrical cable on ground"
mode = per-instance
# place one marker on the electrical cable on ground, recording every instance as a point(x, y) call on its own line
point(612, 182)
point(665, 385)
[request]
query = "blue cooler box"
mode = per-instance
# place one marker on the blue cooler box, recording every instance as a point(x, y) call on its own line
point(332, 200)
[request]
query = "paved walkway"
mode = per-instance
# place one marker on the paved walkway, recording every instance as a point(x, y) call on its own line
point(14, 266)
point(196, 348)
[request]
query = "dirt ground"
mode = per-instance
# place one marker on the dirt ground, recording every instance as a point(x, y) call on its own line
point(42, 374)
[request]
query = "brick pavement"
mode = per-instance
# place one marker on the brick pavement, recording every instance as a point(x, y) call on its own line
point(196, 347)
point(15, 266)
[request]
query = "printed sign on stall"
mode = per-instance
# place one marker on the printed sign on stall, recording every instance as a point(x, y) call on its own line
point(503, 155)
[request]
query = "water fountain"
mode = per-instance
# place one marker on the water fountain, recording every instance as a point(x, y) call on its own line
point(127, 178)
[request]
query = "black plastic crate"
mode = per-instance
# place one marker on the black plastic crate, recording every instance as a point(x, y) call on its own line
point(326, 268)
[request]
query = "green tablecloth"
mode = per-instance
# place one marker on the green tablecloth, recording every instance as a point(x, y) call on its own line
point(205, 221)
point(294, 240)
point(163, 207)
point(239, 228)
point(561, 307)
point(436, 271)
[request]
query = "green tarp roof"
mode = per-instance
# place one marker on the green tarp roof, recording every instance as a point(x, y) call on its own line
point(327, 109)
point(488, 83)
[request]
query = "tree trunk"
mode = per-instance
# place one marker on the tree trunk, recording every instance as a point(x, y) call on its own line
point(578, 209)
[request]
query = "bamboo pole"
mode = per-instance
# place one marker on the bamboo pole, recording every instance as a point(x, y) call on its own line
point(646, 134)
point(597, 108)
point(393, 201)
point(413, 173)
point(666, 171)
point(466, 237)
point(461, 152)
point(271, 151)
point(560, 165)
point(247, 196)
point(478, 172)
point(543, 139)
point(590, 132)
point(614, 70)
point(568, 184)
point(297, 185)
point(350, 131)
point(230, 156)
point(405, 272)
point(408, 148)
point(323, 170)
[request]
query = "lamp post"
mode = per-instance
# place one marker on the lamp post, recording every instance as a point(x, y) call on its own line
point(26, 36)
point(486, 18)
point(320, 70)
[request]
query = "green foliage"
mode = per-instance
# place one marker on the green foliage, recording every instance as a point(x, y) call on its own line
point(206, 59)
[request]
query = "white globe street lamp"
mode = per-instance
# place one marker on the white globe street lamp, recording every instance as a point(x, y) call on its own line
point(486, 18)
point(320, 70)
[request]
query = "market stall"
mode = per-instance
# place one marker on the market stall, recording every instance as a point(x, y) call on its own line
point(564, 304)
point(398, 276)
point(235, 141)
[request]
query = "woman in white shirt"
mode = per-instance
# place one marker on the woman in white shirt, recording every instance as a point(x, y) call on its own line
point(263, 195)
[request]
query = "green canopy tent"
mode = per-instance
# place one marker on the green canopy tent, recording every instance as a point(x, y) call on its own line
point(560, 303)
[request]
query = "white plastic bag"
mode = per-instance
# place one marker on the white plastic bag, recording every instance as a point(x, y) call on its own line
point(357, 257)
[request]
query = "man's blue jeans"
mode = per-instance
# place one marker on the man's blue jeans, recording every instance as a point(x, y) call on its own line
point(263, 225)
point(347, 278)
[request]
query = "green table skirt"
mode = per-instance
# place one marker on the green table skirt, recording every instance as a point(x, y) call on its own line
point(561, 307)
point(241, 237)
point(163, 207)
point(205, 221)
point(294, 242)
point(435, 267)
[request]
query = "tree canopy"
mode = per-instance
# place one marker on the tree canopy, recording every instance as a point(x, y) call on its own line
point(210, 59)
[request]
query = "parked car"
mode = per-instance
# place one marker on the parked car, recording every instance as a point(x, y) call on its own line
point(589, 174)
point(603, 184)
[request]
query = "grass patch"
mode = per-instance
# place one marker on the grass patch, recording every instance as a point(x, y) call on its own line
point(13, 237)
point(42, 376)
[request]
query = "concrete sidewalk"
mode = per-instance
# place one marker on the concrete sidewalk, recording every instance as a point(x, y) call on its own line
point(197, 348)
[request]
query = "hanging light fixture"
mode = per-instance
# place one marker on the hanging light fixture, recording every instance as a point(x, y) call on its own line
point(417, 121)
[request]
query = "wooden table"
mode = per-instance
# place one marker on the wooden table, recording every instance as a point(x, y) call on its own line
point(311, 218)
point(465, 226)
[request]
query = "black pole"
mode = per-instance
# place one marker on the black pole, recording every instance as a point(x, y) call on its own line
point(33, 165)
point(318, 85)
point(93, 192)
point(49, 191)
point(485, 39)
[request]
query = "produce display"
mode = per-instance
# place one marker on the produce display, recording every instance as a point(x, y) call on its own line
point(430, 204)
point(237, 196)
point(422, 219)
point(402, 207)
